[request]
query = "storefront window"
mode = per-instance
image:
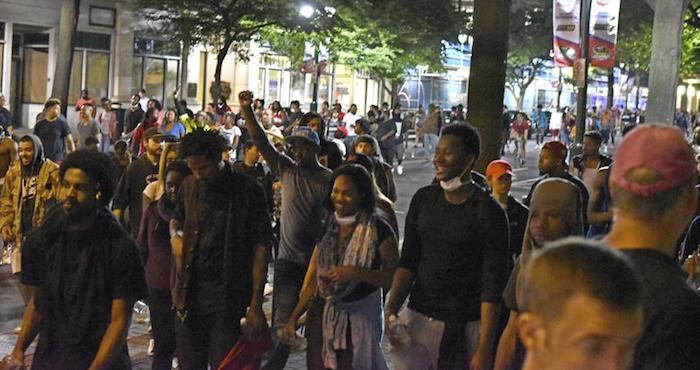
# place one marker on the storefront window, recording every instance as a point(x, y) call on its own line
point(298, 85)
point(324, 85)
point(273, 87)
point(154, 80)
point(97, 75)
point(2, 56)
point(76, 73)
point(137, 74)
point(36, 61)
point(171, 81)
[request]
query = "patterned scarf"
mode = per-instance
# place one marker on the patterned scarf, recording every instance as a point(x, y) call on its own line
point(359, 251)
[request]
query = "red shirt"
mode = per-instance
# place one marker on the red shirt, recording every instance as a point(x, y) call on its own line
point(520, 127)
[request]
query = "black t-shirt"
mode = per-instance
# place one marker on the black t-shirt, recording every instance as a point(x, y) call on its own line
point(53, 135)
point(78, 275)
point(517, 221)
point(208, 263)
point(672, 313)
point(262, 175)
point(6, 119)
point(133, 118)
point(385, 128)
point(129, 193)
point(28, 198)
point(459, 253)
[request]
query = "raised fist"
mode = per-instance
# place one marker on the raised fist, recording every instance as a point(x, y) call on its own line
point(245, 98)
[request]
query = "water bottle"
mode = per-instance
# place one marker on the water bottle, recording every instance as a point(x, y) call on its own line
point(141, 311)
point(399, 331)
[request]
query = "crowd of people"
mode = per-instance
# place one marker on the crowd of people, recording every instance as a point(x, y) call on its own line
point(187, 212)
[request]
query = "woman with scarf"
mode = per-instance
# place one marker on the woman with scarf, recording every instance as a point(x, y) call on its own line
point(154, 246)
point(355, 257)
point(555, 213)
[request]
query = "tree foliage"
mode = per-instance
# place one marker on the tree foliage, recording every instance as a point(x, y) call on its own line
point(383, 38)
point(529, 46)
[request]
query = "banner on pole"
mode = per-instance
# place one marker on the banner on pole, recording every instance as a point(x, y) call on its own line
point(567, 35)
point(605, 16)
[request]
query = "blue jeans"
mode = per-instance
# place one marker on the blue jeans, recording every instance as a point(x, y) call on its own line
point(289, 277)
point(105, 144)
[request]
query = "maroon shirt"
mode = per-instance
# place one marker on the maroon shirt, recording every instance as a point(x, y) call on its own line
point(154, 244)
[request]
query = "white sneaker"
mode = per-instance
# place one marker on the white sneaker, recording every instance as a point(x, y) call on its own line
point(151, 347)
point(399, 170)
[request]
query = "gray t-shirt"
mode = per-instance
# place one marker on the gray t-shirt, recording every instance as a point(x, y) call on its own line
point(303, 192)
point(85, 131)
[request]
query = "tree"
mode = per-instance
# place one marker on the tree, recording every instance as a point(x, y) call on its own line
point(224, 25)
point(68, 24)
point(529, 46)
point(487, 77)
point(409, 33)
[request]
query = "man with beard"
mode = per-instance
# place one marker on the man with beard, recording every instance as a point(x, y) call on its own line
point(305, 184)
point(134, 116)
point(30, 189)
point(220, 236)
point(84, 273)
point(138, 174)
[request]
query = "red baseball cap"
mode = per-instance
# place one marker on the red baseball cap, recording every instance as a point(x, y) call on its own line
point(498, 168)
point(557, 147)
point(660, 148)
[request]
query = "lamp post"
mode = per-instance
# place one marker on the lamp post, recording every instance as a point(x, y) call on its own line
point(462, 38)
point(582, 99)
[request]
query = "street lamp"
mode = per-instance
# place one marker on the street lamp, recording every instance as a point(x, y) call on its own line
point(306, 11)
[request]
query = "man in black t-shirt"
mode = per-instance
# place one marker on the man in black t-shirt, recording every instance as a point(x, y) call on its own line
point(454, 264)
point(134, 116)
point(653, 191)
point(54, 132)
point(136, 177)
point(84, 273)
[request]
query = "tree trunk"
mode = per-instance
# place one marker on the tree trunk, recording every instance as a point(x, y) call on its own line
point(184, 58)
point(68, 23)
point(611, 90)
point(521, 98)
point(219, 64)
point(665, 59)
point(487, 76)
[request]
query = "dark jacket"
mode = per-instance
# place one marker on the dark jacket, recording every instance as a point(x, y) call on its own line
point(247, 226)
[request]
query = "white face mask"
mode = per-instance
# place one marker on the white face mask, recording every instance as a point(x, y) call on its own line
point(345, 220)
point(453, 183)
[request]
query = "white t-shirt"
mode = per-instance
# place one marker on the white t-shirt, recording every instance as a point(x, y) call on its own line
point(231, 133)
point(350, 120)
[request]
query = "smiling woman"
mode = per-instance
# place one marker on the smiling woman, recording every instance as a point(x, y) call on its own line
point(354, 258)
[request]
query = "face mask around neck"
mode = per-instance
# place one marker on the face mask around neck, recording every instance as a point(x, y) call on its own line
point(454, 183)
point(345, 220)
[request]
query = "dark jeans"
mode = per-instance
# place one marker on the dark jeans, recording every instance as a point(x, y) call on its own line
point(163, 322)
point(289, 277)
point(206, 338)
